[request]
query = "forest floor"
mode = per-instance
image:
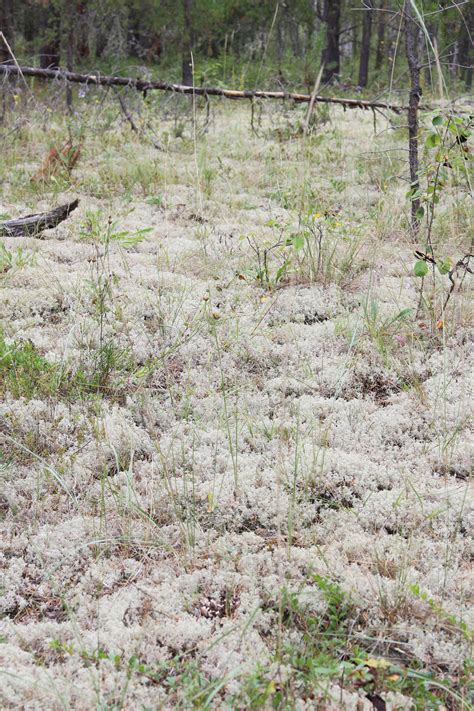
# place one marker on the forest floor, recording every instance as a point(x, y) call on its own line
point(234, 452)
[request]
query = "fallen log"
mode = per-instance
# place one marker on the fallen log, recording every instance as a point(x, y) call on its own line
point(32, 225)
point(145, 85)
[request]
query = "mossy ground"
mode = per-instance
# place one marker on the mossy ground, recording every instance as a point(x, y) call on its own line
point(234, 451)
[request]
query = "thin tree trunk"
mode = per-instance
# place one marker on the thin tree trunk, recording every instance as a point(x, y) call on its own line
point(81, 34)
point(280, 41)
point(390, 52)
point(50, 50)
point(411, 33)
point(6, 27)
point(330, 56)
point(187, 44)
point(295, 38)
point(380, 53)
point(354, 48)
point(465, 44)
point(70, 17)
point(365, 46)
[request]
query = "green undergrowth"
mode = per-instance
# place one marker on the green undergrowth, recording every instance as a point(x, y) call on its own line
point(25, 373)
point(316, 656)
point(328, 652)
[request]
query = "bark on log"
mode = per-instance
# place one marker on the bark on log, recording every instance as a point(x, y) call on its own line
point(32, 225)
point(146, 85)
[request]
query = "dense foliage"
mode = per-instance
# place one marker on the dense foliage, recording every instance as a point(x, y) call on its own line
point(240, 41)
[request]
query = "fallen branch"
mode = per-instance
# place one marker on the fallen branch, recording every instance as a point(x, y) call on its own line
point(32, 225)
point(146, 85)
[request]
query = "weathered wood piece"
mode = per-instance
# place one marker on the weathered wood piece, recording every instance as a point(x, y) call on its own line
point(146, 85)
point(33, 225)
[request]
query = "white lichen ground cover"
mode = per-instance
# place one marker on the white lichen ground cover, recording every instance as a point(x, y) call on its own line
point(246, 440)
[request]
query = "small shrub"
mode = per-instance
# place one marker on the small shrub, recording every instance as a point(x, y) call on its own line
point(24, 372)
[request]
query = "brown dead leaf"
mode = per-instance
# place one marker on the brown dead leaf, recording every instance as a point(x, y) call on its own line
point(57, 159)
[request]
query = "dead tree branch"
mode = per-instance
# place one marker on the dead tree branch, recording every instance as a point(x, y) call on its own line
point(145, 85)
point(32, 225)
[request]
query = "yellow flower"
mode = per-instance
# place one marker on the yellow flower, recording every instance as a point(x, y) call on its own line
point(377, 663)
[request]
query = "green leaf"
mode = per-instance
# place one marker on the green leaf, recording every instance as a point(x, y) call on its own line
point(130, 239)
point(420, 212)
point(413, 193)
point(298, 242)
point(280, 273)
point(272, 223)
point(434, 139)
point(421, 268)
point(403, 314)
point(437, 121)
point(444, 266)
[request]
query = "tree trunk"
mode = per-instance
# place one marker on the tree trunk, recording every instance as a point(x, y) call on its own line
point(280, 44)
point(381, 35)
point(365, 46)
point(81, 34)
point(6, 26)
point(411, 33)
point(391, 44)
point(330, 56)
point(354, 48)
point(465, 44)
point(295, 38)
point(70, 19)
point(187, 44)
point(50, 50)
